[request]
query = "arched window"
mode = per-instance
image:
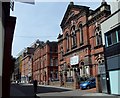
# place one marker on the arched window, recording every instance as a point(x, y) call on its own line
point(98, 35)
point(67, 41)
point(81, 34)
point(73, 35)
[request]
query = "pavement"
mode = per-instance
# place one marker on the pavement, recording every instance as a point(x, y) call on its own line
point(71, 92)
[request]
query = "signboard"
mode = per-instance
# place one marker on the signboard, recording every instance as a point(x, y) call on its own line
point(74, 60)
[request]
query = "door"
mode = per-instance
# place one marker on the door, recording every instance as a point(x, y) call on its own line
point(103, 83)
point(103, 80)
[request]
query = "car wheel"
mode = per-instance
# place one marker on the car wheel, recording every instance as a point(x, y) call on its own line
point(88, 87)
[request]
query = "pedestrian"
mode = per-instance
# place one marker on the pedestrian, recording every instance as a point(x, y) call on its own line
point(35, 86)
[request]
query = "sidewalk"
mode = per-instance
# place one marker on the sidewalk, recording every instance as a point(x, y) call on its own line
point(73, 92)
point(56, 86)
point(97, 94)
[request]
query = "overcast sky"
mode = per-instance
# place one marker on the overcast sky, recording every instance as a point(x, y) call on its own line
point(40, 21)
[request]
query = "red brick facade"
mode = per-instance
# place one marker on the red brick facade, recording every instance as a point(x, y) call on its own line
point(45, 65)
point(26, 69)
point(80, 45)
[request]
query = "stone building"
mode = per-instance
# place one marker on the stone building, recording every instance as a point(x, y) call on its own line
point(111, 39)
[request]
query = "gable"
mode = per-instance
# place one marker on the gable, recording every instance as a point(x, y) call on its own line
point(71, 12)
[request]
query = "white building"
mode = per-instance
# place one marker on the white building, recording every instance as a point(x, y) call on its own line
point(111, 39)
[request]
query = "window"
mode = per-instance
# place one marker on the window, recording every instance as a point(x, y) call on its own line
point(51, 48)
point(81, 33)
point(67, 43)
point(56, 62)
point(61, 53)
point(98, 39)
point(112, 37)
point(98, 36)
point(51, 62)
point(109, 40)
point(74, 38)
point(56, 49)
point(118, 35)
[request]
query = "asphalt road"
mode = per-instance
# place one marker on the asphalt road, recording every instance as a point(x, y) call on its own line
point(44, 91)
point(28, 90)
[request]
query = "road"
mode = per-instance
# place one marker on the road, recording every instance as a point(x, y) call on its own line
point(45, 91)
point(27, 90)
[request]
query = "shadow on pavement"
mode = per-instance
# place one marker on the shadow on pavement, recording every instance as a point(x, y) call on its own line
point(28, 90)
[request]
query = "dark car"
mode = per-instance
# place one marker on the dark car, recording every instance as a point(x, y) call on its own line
point(90, 83)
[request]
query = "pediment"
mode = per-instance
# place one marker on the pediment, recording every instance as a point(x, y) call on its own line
point(71, 12)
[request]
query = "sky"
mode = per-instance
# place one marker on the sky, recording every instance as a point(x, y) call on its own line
point(39, 21)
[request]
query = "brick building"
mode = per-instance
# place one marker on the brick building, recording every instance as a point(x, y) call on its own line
point(45, 65)
point(26, 68)
point(80, 47)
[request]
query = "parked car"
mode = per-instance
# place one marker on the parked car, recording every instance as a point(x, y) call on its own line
point(90, 83)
